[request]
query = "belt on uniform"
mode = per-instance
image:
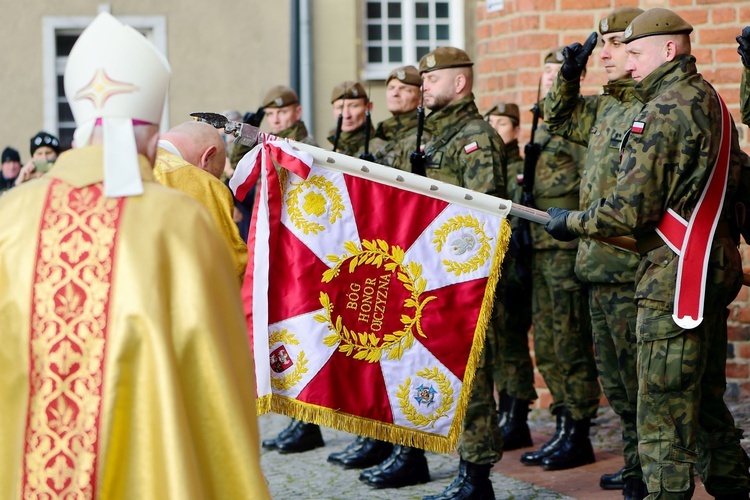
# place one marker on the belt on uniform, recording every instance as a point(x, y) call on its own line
point(565, 202)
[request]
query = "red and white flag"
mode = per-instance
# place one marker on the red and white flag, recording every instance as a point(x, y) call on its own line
point(377, 298)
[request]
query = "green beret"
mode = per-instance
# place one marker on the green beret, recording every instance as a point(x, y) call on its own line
point(618, 20)
point(444, 57)
point(554, 57)
point(280, 96)
point(405, 74)
point(508, 109)
point(656, 22)
point(348, 90)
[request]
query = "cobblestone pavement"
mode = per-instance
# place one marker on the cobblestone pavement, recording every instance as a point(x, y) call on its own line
point(309, 476)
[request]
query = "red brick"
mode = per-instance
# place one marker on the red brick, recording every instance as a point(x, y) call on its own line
point(723, 75)
point(525, 23)
point(709, 2)
point(568, 5)
point(718, 35)
point(742, 350)
point(501, 27)
point(672, 3)
point(705, 57)
point(739, 332)
point(542, 43)
point(569, 21)
point(484, 31)
point(696, 17)
point(725, 55)
point(737, 370)
point(721, 15)
point(625, 3)
point(535, 5)
point(744, 13)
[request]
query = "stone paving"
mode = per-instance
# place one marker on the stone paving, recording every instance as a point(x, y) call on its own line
point(309, 476)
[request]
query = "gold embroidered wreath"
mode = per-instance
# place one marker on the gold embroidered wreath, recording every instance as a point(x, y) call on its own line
point(296, 215)
point(454, 224)
point(408, 409)
point(363, 345)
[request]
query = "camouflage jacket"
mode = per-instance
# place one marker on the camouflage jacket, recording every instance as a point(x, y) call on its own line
point(557, 181)
point(745, 96)
point(297, 132)
point(599, 123)
point(391, 131)
point(352, 143)
point(462, 149)
point(515, 169)
point(667, 165)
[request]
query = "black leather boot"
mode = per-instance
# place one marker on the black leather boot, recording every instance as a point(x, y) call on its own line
point(270, 444)
point(612, 481)
point(354, 446)
point(370, 453)
point(516, 433)
point(561, 433)
point(635, 489)
point(302, 437)
point(473, 483)
point(575, 451)
point(405, 467)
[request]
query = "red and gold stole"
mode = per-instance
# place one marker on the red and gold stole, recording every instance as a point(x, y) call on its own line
point(69, 318)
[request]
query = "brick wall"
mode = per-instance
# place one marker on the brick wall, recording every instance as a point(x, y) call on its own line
point(510, 46)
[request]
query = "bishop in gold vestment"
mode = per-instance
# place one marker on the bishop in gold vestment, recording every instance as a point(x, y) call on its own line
point(125, 365)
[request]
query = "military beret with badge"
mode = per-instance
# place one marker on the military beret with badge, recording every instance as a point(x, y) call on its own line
point(280, 96)
point(656, 21)
point(444, 57)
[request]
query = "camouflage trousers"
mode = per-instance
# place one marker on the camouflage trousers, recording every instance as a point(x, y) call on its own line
point(683, 422)
point(481, 441)
point(613, 318)
point(563, 347)
point(513, 370)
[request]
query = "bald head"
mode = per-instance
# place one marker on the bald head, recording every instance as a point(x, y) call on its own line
point(200, 144)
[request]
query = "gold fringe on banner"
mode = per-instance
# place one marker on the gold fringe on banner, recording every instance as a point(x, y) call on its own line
point(391, 432)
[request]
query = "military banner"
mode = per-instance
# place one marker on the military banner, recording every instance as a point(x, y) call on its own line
point(372, 299)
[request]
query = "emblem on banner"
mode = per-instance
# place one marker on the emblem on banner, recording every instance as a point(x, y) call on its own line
point(426, 396)
point(465, 237)
point(359, 287)
point(281, 361)
point(310, 201)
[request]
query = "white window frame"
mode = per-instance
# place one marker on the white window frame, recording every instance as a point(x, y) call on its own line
point(156, 26)
point(379, 71)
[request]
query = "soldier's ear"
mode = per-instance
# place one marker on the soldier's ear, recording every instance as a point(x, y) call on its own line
point(460, 82)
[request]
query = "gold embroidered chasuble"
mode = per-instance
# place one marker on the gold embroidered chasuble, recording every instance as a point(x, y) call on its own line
point(126, 370)
point(173, 171)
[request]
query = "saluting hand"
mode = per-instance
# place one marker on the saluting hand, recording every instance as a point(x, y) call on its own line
point(744, 48)
point(576, 56)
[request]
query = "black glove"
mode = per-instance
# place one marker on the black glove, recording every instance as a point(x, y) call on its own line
point(576, 56)
point(254, 119)
point(744, 48)
point(557, 226)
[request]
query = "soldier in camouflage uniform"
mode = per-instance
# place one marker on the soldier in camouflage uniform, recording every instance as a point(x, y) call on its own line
point(562, 328)
point(463, 149)
point(668, 157)
point(284, 116)
point(283, 113)
point(744, 50)
point(402, 99)
point(350, 102)
point(514, 371)
point(600, 122)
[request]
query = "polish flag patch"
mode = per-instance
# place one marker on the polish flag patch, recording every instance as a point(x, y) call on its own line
point(470, 148)
point(638, 127)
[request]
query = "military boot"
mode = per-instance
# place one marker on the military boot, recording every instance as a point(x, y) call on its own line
point(635, 489)
point(406, 466)
point(473, 483)
point(354, 446)
point(370, 453)
point(270, 444)
point(516, 433)
point(561, 433)
point(612, 481)
point(575, 451)
point(302, 437)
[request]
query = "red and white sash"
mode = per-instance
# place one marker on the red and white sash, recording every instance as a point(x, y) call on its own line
point(691, 241)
